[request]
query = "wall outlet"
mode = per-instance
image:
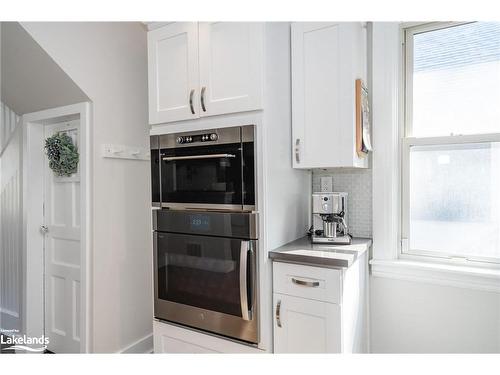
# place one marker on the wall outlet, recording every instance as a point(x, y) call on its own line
point(326, 184)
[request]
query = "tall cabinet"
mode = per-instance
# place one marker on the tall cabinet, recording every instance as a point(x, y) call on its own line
point(204, 69)
point(327, 58)
point(232, 59)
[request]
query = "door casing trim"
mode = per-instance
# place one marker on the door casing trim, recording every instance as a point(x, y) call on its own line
point(32, 161)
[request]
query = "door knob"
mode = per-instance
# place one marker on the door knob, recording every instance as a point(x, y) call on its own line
point(44, 229)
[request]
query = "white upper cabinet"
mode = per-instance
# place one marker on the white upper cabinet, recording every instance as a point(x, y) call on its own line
point(327, 58)
point(204, 69)
point(230, 67)
point(173, 72)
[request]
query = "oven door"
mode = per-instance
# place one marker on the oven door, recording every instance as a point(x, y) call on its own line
point(207, 282)
point(202, 177)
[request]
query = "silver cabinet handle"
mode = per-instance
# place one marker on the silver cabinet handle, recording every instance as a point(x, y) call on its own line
point(191, 101)
point(44, 229)
point(312, 284)
point(297, 150)
point(245, 314)
point(194, 157)
point(278, 313)
point(202, 98)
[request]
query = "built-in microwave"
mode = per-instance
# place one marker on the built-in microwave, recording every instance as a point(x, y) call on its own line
point(210, 169)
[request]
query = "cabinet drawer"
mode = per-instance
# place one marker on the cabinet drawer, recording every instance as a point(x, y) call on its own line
point(170, 338)
point(322, 284)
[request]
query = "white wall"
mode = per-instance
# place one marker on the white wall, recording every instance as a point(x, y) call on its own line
point(409, 316)
point(414, 317)
point(31, 81)
point(108, 62)
point(8, 122)
point(288, 190)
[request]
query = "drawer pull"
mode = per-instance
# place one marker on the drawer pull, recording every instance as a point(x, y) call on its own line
point(311, 284)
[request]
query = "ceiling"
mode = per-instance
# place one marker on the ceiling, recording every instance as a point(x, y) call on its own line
point(31, 80)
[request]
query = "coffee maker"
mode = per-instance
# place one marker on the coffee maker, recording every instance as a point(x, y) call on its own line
point(329, 218)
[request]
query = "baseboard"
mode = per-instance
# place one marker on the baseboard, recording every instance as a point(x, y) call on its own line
point(141, 346)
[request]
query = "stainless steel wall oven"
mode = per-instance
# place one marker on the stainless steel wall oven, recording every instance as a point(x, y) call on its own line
point(204, 169)
point(206, 231)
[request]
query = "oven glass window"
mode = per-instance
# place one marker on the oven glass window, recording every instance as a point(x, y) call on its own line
point(206, 174)
point(200, 271)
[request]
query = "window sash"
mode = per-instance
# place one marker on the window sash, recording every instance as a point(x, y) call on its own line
point(408, 34)
point(407, 141)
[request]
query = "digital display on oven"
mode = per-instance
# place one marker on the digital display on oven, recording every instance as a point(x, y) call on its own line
point(199, 222)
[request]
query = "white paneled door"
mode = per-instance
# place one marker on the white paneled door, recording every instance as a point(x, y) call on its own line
point(230, 67)
point(62, 252)
point(173, 73)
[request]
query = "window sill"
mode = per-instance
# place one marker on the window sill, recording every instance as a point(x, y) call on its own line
point(435, 273)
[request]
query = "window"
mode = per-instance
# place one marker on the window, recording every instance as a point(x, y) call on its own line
point(451, 143)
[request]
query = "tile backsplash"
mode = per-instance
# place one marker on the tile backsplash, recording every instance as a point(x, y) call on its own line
point(358, 184)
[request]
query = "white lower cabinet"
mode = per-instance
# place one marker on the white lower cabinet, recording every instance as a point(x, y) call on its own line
point(305, 326)
point(320, 310)
point(173, 339)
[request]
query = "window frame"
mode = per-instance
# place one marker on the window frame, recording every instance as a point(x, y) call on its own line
point(407, 141)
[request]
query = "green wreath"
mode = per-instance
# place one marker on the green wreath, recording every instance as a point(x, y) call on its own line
point(62, 154)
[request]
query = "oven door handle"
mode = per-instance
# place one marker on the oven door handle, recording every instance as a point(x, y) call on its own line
point(244, 252)
point(193, 157)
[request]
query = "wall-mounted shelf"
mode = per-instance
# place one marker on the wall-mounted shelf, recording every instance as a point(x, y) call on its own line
point(125, 152)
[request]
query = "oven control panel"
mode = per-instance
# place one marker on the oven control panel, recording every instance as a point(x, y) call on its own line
point(209, 137)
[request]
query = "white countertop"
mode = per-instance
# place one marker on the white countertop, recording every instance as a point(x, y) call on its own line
point(303, 251)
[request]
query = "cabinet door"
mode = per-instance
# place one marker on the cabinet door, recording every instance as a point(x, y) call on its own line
point(173, 72)
point(305, 326)
point(230, 67)
point(326, 61)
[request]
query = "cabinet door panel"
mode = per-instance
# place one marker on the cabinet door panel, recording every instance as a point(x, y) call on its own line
point(307, 326)
point(326, 61)
point(230, 67)
point(173, 72)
